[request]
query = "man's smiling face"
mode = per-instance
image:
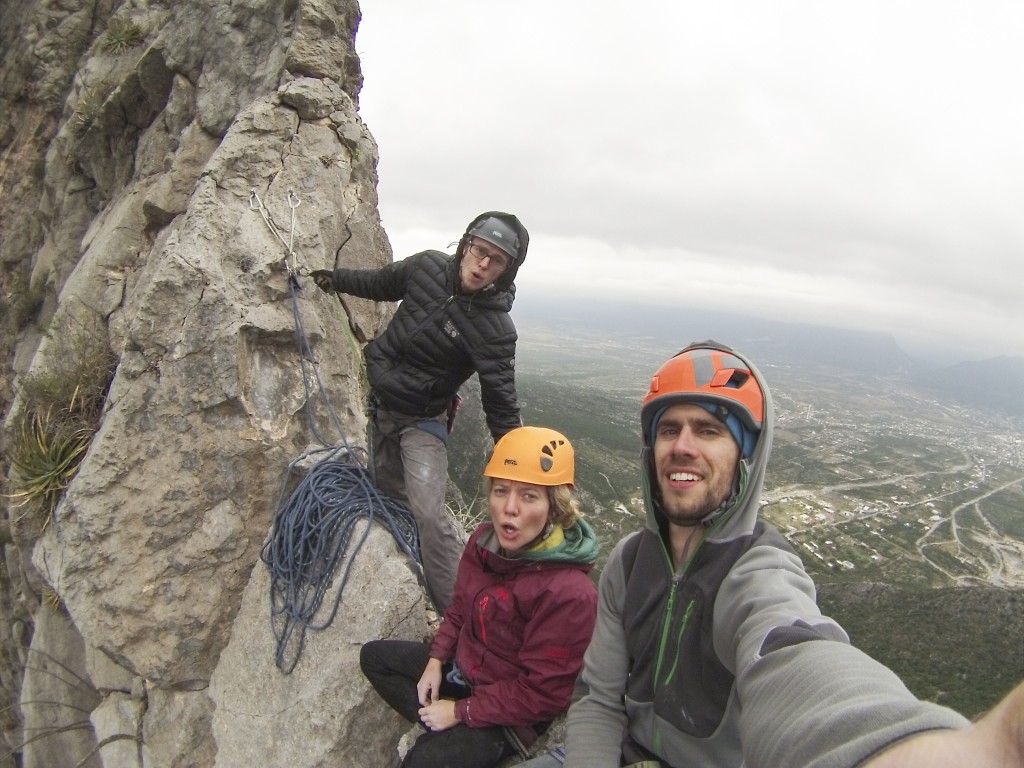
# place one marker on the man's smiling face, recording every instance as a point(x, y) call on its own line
point(695, 460)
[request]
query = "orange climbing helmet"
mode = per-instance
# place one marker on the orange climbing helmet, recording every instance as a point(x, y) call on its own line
point(708, 374)
point(535, 455)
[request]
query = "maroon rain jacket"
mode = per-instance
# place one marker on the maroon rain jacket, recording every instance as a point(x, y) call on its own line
point(518, 627)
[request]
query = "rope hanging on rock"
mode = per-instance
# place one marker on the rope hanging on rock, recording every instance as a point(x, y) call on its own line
point(313, 528)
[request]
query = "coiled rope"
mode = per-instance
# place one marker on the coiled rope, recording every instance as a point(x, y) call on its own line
point(311, 535)
point(313, 527)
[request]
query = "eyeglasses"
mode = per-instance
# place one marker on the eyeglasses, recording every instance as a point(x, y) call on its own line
point(480, 253)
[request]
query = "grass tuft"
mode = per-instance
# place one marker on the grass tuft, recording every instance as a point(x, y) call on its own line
point(60, 412)
point(89, 107)
point(121, 35)
point(467, 516)
point(54, 601)
point(46, 451)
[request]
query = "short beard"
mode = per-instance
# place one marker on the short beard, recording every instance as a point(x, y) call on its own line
point(702, 515)
point(687, 519)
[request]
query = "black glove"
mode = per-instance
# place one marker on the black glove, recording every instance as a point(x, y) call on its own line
point(324, 279)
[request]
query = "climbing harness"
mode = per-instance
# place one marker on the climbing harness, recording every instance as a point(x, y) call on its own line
point(313, 527)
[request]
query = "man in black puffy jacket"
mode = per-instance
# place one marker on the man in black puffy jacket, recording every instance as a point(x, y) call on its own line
point(452, 321)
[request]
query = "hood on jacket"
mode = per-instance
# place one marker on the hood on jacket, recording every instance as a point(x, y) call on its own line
point(579, 547)
point(738, 515)
point(507, 278)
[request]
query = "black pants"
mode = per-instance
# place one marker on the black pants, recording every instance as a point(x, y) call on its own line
point(393, 668)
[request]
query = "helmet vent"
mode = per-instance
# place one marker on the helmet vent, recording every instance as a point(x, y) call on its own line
point(546, 461)
point(730, 377)
point(738, 379)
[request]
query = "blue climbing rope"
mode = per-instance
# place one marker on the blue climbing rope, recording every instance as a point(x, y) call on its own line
point(311, 535)
point(314, 527)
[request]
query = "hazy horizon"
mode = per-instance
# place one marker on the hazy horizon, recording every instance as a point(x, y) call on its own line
point(850, 164)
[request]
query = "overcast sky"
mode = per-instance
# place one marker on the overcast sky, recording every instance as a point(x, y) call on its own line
point(858, 164)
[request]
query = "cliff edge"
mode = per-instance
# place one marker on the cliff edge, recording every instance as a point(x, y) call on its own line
point(170, 174)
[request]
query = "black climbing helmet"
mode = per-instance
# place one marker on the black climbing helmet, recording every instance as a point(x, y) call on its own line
point(497, 232)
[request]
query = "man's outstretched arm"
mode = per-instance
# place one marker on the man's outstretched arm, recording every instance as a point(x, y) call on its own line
point(994, 741)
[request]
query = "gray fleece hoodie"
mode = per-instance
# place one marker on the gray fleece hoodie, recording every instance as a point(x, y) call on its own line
point(728, 661)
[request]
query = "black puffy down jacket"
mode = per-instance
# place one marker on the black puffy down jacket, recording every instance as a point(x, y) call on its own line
point(438, 338)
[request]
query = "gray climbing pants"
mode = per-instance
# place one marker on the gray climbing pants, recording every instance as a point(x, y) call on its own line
point(410, 464)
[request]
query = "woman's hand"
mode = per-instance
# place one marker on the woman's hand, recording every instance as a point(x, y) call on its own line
point(428, 689)
point(439, 716)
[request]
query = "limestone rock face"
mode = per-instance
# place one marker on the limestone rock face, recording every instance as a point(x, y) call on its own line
point(171, 174)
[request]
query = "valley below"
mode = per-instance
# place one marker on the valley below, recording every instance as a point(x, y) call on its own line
point(906, 507)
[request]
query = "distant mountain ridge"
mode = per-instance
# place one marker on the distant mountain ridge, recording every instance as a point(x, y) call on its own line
point(996, 384)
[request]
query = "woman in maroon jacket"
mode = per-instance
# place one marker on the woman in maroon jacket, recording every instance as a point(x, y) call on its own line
point(505, 659)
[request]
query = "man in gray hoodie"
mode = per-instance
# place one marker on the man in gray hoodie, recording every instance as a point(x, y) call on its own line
point(710, 649)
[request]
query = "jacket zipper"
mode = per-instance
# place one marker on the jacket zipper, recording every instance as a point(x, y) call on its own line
point(666, 624)
point(415, 331)
point(677, 581)
point(663, 641)
point(427, 320)
point(480, 609)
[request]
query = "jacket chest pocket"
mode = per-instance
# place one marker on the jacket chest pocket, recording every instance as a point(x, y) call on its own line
point(499, 622)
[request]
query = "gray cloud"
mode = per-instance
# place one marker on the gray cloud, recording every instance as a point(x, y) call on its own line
point(854, 163)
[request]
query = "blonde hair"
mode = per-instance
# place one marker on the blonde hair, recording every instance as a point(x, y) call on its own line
point(564, 508)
